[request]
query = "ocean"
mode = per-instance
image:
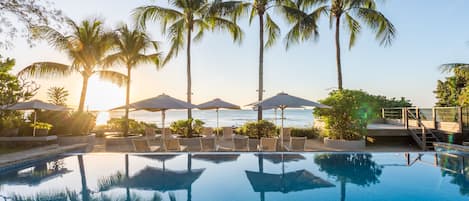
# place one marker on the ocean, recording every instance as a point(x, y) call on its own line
point(301, 118)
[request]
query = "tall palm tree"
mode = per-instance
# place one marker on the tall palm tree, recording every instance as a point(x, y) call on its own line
point(131, 52)
point(186, 17)
point(348, 11)
point(260, 9)
point(86, 46)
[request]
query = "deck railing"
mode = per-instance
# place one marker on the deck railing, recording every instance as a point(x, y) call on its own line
point(448, 119)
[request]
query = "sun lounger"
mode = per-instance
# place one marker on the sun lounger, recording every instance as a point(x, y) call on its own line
point(296, 144)
point(227, 133)
point(207, 131)
point(240, 143)
point(208, 144)
point(173, 144)
point(142, 145)
point(267, 144)
point(286, 134)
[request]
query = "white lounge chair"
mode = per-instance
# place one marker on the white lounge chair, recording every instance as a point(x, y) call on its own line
point(208, 144)
point(173, 144)
point(286, 134)
point(227, 133)
point(207, 131)
point(142, 145)
point(267, 144)
point(296, 144)
point(240, 143)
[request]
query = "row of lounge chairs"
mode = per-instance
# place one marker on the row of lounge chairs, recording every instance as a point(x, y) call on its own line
point(209, 144)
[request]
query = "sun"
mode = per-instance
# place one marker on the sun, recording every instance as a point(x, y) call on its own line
point(103, 95)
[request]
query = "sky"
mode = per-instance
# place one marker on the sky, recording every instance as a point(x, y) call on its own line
point(429, 33)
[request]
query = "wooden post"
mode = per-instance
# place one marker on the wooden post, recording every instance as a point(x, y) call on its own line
point(417, 116)
point(406, 118)
point(434, 118)
point(424, 138)
point(460, 119)
point(382, 113)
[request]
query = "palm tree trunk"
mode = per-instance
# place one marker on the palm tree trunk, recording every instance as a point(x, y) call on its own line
point(84, 88)
point(85, 192)
point(338, 58)
point(342, 189)
point(261, 64)
point(127, 102)
point(189, 78)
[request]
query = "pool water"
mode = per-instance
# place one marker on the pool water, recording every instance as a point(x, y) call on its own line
point(242, 177)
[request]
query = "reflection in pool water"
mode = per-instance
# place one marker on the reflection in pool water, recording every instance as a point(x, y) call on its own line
point(245, 176)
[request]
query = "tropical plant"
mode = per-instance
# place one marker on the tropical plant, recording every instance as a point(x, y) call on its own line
point(86, 46)
point(258, 129)
point(349, 116)
point(350, 12)
point(310, 133)
point(41, 125)
point(58, 95)
point(131, 52)
point(188, 127)
point(136, 127)
point(81, 123)
point(454, 90)
point(28, 13)
point(186, 18)
point(267, 26)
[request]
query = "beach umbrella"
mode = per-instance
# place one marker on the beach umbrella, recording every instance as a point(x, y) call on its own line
point(153, 178)
point(161, 103)
point(36, 105)
point(283, 101)
point(216, 104)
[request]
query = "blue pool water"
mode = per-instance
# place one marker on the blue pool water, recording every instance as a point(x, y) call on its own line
point(242, 177)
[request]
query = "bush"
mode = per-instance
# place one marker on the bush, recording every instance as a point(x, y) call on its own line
point(135, 127)
point(81, 123)
point(59, 119)
point(310, 133)
point(182, 127)
point(258, 129)
point(41, 125)
point(350, 113)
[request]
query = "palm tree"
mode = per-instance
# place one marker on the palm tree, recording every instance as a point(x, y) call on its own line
point(260, 9)
point(86, 46)
point(338, 10)
point(187, 17)
point(131, 48)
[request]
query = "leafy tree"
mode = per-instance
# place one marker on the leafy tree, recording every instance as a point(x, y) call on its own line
point(350, 12)
point(453, 91)
point(25, 12)
point(12, 90)
point(58, 95)
point(131, 48)
point(187, 17)
point(86, 46)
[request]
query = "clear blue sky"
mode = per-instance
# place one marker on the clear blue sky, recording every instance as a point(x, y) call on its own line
point(430, 32)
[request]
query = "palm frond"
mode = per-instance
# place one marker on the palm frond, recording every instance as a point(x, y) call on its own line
point(113, 59)
point(52, 36)
point(114, 77)
point(273, 31)
point(451, 67)
point(156, 58)
point(176, 34)
point(385, 30)
point(46, 69)
point(222, 24)
point(155, 13)
point(354, 28)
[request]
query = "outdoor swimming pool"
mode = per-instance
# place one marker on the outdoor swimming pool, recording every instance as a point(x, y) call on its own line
point(242, 177)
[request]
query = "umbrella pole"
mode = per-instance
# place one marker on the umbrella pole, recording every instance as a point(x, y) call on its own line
point(218, 127)
point(275, 116)
point(34, 123)
point(281, 127)
point(163, 116)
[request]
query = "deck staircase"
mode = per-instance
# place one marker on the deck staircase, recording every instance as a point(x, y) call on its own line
point(423, 136)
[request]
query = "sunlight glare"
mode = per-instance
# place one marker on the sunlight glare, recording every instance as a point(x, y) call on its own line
point(102, 118)
point(103, 95)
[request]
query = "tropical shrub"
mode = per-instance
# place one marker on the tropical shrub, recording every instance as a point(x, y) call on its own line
point(59, 120)
point(258, 129)
point(310, 133)
point(182, 127)
point(135, 127)
point(350, 113)
point(81, 123)
point(41, 125)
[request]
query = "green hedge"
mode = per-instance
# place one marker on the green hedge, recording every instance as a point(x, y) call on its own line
point(310, 133)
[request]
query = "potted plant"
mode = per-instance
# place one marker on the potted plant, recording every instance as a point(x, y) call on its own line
point(9, 126)
point(258, 129)
point(182, 127)
point(346, 122)
point(42, 128)
point(78, 131)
